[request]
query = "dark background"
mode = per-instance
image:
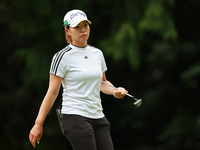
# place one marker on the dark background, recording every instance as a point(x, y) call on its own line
point(151, 48)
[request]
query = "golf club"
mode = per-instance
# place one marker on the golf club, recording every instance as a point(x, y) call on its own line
point(138, 101)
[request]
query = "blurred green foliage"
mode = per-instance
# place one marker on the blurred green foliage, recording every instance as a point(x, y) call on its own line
point(151, 48)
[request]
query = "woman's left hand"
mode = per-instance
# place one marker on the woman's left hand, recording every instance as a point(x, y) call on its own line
point(119, 92)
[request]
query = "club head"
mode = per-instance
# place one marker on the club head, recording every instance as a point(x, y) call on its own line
point(137, 103)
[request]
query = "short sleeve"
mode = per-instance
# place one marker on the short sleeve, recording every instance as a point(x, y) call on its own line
point(58, 67)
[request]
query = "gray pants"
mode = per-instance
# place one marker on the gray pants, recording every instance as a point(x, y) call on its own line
point(85, 133)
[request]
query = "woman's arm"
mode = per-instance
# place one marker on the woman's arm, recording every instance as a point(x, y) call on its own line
point(48, 101)
point(117, 93)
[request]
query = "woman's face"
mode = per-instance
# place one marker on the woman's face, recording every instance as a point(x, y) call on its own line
point(80, 34)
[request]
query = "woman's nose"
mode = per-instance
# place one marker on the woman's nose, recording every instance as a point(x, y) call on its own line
point(83, 29)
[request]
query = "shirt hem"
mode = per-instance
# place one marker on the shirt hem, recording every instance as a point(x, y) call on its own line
point(86, 115)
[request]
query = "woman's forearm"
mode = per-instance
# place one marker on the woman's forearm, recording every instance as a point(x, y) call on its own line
point(45, 107)
point(107, 89)
point(49, 99)
point(116, 92)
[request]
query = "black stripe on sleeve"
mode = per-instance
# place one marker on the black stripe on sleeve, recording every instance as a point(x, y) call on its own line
point(56, 61)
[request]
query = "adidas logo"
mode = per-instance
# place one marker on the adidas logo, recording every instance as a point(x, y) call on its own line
point(85, 57)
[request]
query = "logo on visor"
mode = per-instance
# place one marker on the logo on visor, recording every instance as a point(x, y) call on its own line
point(76, 14)
point(66, 23)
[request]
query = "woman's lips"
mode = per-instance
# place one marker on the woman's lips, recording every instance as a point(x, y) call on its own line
point(84, 35)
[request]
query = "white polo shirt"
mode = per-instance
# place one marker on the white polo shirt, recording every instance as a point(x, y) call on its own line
point(82, 70)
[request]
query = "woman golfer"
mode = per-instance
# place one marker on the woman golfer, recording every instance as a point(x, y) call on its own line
point(80, 68)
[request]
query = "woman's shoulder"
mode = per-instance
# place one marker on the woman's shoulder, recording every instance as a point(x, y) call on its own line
point(63, 51)
point(94, 48)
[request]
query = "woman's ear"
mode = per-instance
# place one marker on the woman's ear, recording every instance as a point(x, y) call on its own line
point(67, 31)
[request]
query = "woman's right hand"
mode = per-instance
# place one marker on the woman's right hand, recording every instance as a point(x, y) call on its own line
point(36, 134)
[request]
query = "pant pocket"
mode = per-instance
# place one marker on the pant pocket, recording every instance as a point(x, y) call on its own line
point(67, 124)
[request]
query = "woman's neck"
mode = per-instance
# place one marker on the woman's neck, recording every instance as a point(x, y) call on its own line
point(80, 44)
